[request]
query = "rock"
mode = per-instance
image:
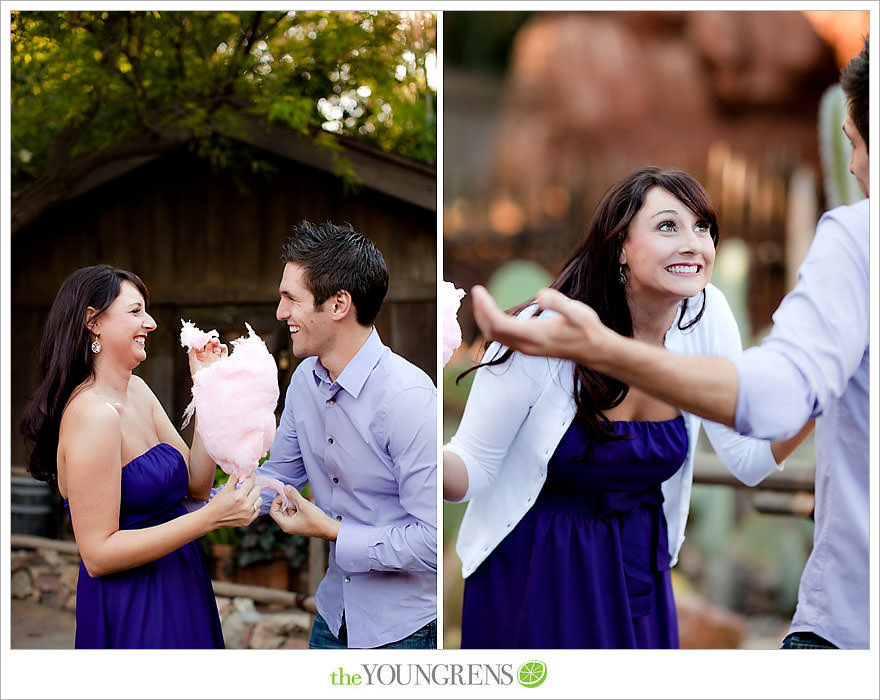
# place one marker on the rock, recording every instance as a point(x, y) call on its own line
point(22, 586)
point(224, 605)
point(703, 625)
point(52, 592)
point(70, 576)
point(52, 558)
point(246, 608)
point(288, 623)
point(596, 92)
point(264, 638)
point(24, 558)
point(295, 643)
point(236, 632)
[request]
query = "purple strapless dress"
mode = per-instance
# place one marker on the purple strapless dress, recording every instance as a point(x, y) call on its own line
point(164, 604)
point(587, 567)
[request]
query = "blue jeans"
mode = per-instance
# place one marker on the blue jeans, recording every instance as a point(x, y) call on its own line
point(322, 637)
point(806, 640)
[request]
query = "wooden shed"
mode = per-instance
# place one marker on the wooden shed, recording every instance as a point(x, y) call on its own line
point(208, 243)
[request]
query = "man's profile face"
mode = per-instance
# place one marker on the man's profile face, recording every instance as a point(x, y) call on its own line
point(311, 330)
point(858, 160)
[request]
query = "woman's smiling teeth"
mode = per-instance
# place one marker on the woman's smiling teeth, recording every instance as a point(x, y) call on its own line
point(294, 329)
point(140, 340)
point(682, 269)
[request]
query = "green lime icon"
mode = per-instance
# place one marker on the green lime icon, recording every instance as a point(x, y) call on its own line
point(532, 673)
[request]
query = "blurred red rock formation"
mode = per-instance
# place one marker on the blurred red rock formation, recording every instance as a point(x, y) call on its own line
point(623, 89)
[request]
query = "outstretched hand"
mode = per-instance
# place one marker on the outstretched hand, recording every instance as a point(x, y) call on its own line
point(303, 517)
point(574, 332)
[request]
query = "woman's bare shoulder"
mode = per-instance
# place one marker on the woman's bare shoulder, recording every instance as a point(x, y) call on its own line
point(89, 412)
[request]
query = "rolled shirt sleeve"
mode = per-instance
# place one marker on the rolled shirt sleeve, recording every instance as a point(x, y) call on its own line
point(820, 332)
point(411, 543)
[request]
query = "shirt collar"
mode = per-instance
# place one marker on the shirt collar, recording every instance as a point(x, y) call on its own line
point(355, 374)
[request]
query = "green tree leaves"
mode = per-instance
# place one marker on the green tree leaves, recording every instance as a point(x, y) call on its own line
point(89, 87)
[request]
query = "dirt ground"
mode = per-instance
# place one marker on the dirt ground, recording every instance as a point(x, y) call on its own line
point(34, 626)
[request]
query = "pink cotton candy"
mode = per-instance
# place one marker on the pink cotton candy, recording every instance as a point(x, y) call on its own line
point(450, 300)
point(235, 398)
point(192, 337)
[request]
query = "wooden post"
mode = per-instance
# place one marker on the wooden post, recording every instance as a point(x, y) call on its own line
point(317, 562)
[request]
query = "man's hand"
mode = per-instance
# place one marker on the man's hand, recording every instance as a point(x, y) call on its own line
point(706, 386)
point(574, 332)
point(303, 518)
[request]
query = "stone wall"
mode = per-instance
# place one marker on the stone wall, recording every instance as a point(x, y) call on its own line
point(47, 575)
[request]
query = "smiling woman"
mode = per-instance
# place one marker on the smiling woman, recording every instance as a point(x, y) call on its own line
point(101, 436)
point(578, 485)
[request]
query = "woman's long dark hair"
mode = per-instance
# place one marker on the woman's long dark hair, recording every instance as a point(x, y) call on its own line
point(591, 275)
point(66, 359)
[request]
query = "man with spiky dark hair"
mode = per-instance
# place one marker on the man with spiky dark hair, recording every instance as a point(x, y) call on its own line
point(360, 426)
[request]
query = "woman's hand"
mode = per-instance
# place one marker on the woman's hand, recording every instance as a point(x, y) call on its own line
point(207, 356)
point(303, 518)
point(233, 507)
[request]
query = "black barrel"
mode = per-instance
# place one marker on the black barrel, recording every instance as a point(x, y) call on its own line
point(33, 510)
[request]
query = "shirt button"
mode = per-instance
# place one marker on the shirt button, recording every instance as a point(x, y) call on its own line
point(330, 440)
point(335, 479)
point(347, 579)
point(339, 517)
point(332, 400)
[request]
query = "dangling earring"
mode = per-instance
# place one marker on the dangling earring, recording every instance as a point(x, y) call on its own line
point(96, 345)
point(621, 277)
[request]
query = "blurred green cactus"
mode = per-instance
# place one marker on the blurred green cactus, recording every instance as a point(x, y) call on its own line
point(841, 186)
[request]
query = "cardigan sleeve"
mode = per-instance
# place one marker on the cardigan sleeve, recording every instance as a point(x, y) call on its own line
point(499, 401)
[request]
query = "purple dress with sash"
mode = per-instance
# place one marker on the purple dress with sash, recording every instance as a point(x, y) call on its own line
point(587, 567)
point(167, 603)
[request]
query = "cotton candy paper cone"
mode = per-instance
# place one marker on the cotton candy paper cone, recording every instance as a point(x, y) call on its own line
point(235, 398)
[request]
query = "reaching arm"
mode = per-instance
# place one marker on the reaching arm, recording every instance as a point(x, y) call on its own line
point(91, 445)
point(819, 339)
point(705, 386)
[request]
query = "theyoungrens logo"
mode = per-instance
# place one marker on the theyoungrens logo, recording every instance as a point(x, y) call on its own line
point(531, 674)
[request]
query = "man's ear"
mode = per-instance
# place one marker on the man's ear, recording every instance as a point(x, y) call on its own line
point(341, 304)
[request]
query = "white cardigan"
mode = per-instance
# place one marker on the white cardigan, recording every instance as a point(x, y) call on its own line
point(518, 411)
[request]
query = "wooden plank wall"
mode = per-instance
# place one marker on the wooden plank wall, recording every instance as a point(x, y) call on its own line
point(208, 246)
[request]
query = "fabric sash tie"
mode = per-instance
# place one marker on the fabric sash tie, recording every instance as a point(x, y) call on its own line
point(642, 533)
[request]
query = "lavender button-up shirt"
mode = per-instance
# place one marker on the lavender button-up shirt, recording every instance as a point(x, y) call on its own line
point(367, 445)
point(814, 364)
